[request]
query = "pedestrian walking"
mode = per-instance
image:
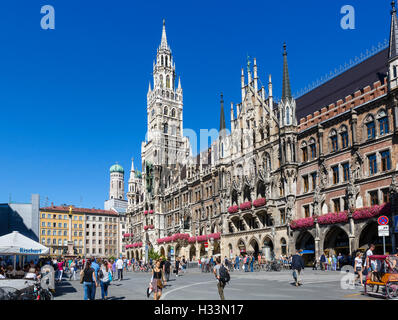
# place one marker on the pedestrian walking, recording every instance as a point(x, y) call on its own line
point(166, 269)
point(158, 280)
point(114, 269)
point(237, 262)
point(323, 261)
point(60, 270)
point(105, 276)
point(334, 263)
point(89, 281)
point(119, 267)
point(222, 275)
point(177, 266)
point(297, 266)
point(73, 268)
point(358, 266)
point(252, 259)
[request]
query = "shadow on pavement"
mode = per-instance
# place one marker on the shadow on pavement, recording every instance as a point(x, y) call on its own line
point(63, 287)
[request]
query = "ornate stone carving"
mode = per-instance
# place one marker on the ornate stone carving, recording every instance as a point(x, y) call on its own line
point(351, 192)
point(319, 197)
point(291, 199)
point(323, 175)
point(356, 166)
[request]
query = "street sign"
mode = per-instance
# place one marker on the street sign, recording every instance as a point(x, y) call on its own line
point(384, 231)
point(206, 244)
point(383, 220)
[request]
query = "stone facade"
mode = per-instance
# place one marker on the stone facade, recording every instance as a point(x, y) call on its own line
point(246, 191)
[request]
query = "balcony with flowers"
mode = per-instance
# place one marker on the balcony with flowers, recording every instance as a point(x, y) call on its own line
point(245, 206)
point(233, 209)
point(260, 202)
point(151, 212)
point(342, 217)
point(145, 212)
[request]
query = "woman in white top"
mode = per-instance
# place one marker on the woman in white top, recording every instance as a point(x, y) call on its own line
point(358, 267)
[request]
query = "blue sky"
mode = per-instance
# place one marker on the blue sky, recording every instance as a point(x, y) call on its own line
point(73, 99)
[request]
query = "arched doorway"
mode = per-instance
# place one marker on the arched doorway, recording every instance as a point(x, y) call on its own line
point(268, 249)
point(306, 242)
point(254, 247)
point(169, 252)
point(216, 248)
point(162, 252)
point(192, 252)
point(128, 254)
point(202, 250)
point(177, 250)
point(370, 235)
point(283, 247)
point(336, 241)
point(242, 247)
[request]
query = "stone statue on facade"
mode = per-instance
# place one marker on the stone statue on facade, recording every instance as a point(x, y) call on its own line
point(352, 193)
point(356, 165)
point(319, 198)
point(323, 175)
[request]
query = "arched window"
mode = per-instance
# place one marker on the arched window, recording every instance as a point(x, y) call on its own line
point(222, 150)
point(334, 144)
point(287, 115)
point(304, 151)
point(173, 112)
point(167, 81)
point(167, 62)
point(312, 143)
point(162, 63)
point(165, 111)
point(344, 137)
point(161, 81)
point(165, 128)
point(383, 122)
point(370, 127)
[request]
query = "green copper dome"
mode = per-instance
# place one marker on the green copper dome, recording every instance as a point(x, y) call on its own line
point(117, 168)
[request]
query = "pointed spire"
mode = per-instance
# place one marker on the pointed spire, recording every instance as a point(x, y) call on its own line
point(286, 91)
point(149, 87)
point(393, 50)
point(163, 44)
point(179, 83)
point(222, 115)
point(132, 164)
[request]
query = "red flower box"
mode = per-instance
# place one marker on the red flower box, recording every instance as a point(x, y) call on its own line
point(146, 228)
point(150, 211)
point(370, 212)
point(151, 226)
point(302, 223)
point(192, 239)
point(245, 205)
point(202, 238)
point(259, 202)
point(145, 212)
point(333, 217)
point(215, 236)
point(233, 209)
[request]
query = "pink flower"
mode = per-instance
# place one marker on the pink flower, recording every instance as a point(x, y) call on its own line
point(302, 223)
point(370, 212)
point(233, 209)
point(145, 212)
point(245, 205)
point(192, 239)
point(146, 228)
point(333, 217)
point(259, 202)
point(215, 236)
point(151, 226)
point(202, 238)
point(150, 211)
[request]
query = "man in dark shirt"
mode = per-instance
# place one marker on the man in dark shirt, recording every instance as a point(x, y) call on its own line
point(166, 269)
point(297, 266)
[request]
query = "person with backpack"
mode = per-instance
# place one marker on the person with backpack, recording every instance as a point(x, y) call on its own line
point(105, 276)
point(222, 275)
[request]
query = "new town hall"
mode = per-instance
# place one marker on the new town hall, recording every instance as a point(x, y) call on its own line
point(311, 173)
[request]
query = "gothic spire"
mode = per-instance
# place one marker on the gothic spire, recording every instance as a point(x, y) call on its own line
point(163, 44)
point(286, 91)
point(393, 50)
point(222, 115)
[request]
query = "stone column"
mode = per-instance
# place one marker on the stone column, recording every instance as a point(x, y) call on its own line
point(320, 139)
point(354, 120)
point(70, 242)
point(317, 239)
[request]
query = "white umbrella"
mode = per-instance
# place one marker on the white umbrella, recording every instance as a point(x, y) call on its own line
point(17, 244)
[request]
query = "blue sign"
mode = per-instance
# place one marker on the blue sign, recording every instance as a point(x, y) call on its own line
point(395, 220)
point(23, 250)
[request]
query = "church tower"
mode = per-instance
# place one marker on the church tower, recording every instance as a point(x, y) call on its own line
point(393, 50)
point(116, 187)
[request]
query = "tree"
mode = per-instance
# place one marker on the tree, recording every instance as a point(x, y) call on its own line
point(152, 254)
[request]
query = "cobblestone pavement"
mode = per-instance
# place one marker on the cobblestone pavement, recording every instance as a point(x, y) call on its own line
point(194, 285)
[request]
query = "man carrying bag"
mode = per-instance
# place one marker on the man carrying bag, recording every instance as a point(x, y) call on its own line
point(297, 266)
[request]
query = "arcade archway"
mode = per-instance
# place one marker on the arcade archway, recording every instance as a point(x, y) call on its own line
point(369, 235)
point(336, 241)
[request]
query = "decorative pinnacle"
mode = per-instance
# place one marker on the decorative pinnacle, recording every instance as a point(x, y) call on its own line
point(394, 9)
point(284, 49)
